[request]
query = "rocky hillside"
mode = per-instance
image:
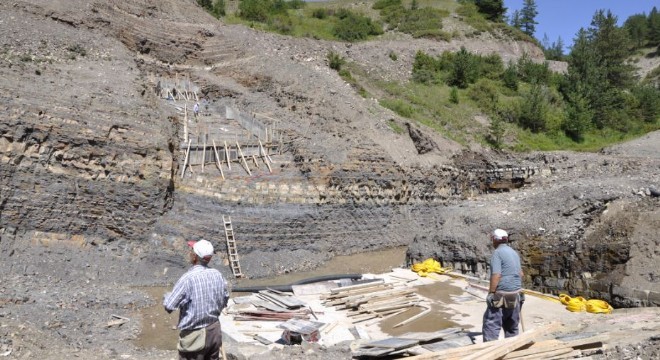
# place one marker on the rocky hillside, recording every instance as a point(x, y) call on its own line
point(92, 155)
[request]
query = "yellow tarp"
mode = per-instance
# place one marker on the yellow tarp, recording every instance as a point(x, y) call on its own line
point(578, 304)
point(428, 266)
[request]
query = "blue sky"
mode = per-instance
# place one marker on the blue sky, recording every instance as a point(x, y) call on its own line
point(565, 17)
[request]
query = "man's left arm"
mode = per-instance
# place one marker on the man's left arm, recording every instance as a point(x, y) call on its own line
point(173, 300)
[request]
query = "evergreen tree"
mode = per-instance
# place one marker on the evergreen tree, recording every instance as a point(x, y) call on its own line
point(528, 17)
point(496, 130)
point(638, 29)
point(494, 10)
point(515, 20)
point(578, 116)
point(534, 109)
point(510, 77)
point(464, 70)
point(612, 44)
point(654, 27)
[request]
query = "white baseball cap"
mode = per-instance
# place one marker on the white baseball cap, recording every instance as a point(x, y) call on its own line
point(202, 248)
point(499, 235)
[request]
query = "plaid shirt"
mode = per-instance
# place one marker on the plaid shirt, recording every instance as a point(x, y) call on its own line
point(200, 295)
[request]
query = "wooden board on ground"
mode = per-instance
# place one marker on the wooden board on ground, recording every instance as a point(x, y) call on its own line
point(449, 344)
point(431, 336)
point(392, 343)
point(304, 327)
point(314, 289)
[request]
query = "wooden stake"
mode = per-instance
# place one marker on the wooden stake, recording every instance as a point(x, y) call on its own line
point(185, 160)
point(185, 122)
point(227, 156)
point(217, 160)
point(243, 158)
point(254, 159)
point(264, 156)
point(204, 154)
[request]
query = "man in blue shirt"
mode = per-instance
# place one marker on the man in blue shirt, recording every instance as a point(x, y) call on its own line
point(504, 298)
point(200, 295)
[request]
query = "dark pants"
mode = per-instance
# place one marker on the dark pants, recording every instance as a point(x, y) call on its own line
point(501, 318)
point(211, 349)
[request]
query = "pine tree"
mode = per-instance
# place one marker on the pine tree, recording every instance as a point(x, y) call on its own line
point(638, 29)
point(528, 17)
point(654, 27)
point(515, 20)
point(464, 69)
point(493, 9)
point(612, 44)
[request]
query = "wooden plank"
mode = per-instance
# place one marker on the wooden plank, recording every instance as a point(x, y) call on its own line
point(453, 343)
point(243, 158)
point(264, 156)
point(393, 343)
point(217, 160)
point(544, 346)
point(432, 336)
point(185, 160)
point(227, 156)
point(358, 286)
point(204, 154)
point(313, 289)
point(511, 344)
point(409, 320)
point(185, 122)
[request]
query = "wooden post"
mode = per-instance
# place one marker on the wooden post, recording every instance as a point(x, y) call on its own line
point(254, 159)
point(243, 158)
point(264, 156)
point(227, 156)
point(217, 160)
point(204, 154)
point(185, 160)
point(185, 122)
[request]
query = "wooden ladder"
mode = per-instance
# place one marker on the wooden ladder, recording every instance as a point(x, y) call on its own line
point(231, 247)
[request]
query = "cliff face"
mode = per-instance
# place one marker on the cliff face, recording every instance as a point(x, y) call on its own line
point(85, 154)
point(93, 153)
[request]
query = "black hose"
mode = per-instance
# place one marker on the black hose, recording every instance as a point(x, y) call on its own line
point(301, 282)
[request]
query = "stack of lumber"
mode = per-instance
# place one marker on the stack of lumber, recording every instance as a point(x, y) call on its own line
point(527, 346)
point(374, 300)
point(272, 305)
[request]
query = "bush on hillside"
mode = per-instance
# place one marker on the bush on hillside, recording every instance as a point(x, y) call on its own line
point(354, 27)
point(485, 94)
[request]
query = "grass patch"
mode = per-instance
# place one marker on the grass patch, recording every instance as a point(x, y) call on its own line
point(395, 126)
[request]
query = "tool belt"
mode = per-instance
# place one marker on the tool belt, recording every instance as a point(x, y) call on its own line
point(192, 340)
point(506, 299)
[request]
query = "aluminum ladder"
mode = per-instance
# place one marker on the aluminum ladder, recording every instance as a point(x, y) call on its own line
point(231, 247)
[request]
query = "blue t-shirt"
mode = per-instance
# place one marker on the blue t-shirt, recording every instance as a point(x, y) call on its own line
point(505, 261)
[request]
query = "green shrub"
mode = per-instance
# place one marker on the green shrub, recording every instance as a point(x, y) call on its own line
point(320, 13)
point(465, 69)
point(510, 77)
point(534, 109)
point(382, 4)
point(485, 94)
point(281, 23)
point(254, 10)
point(354, 27)
point(453, 95)
point(335, 61)
point(421, 20)
point(395, 126)
point(398, 106)
point(392, 56)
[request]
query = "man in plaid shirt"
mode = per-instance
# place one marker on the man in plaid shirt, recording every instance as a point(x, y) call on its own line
point(200, 295)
